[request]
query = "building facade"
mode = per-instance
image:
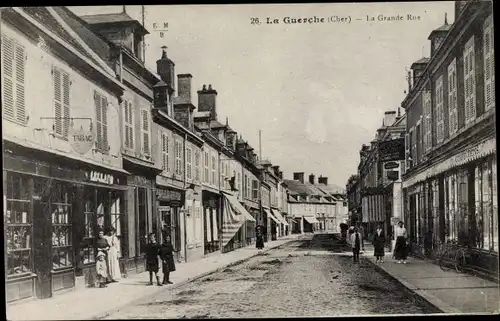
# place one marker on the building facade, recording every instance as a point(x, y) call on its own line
point(62, 156)
point(450, 190)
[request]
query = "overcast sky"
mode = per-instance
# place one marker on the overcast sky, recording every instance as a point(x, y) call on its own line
point(317, 92)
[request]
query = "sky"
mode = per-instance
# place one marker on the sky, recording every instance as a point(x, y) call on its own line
point(316, 91)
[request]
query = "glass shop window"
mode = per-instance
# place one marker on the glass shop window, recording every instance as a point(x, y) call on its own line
point(116, 214)
point(87, 248)
point(62, 253)
point(18, 225)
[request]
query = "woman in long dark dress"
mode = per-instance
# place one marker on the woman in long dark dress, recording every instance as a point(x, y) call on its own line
point(378, 244)
point(167, 257)
point(102, 245)
point(260, 238)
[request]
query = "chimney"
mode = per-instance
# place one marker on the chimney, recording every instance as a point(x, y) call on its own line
point(409, 78)
point(280, 175)
point(323, 180)
point(207, 101)
point(299, 177)
point(389, 118)
point(184, 87)
point(311, 179)
point(166, 69)
point(398, 117)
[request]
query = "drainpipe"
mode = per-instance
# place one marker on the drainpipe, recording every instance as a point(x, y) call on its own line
point(185, 209)
point(219, 228)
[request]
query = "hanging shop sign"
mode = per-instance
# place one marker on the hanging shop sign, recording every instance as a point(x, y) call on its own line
point(167, 195)
point(99, 177)
point(82, 139)
point(391, 150)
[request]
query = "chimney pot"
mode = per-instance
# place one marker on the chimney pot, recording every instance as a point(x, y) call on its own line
point(209, 87)
point(204, 87)
point(311, 179)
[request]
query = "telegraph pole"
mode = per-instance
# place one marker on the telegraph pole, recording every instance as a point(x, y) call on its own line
point(260, 144)
point(144, 38)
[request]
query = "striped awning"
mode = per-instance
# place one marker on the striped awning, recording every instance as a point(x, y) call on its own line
point(239, 207)
point(268, 212)
point(280, 217)
point(311, 219)
point(232, 218)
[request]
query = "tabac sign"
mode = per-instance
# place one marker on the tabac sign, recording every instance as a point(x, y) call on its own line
point(392, 150)
point(82, 139)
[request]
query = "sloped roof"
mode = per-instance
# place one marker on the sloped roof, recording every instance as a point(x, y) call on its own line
point(43, 16)
point(108, 18)
point(331, 189)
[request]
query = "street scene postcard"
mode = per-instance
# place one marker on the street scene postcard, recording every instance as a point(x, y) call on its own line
point(249, 160)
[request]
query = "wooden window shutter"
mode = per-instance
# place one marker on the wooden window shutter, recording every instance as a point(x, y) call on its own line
point(56, 76)
point(489, 72)
point(8, 101)
point(145, 131)
point(126, 123)
point(131, 125)
point(104, 120)
point(66, 87)
point(98, 113)
point(20, 83)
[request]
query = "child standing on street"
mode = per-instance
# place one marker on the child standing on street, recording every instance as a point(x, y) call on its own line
point(101, 267)
point(167, 256)
point(152, 262)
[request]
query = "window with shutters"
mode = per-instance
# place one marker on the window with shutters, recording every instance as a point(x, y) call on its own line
point(165, 152)
point(13, 80)
point(129, 124)
point(452, 98)
point(238, 180)
point(489, 65)
point(145, 132)
point(61, 84)
point(245, 181)
point(206, 167)
point(413, 139)
point(178, 157)
point(101, 110)
point(213, 179)
point(469, 81)
point(189, 163)
point(439, 111)
point(255, 190)
point(197, 163)
point(427, 123)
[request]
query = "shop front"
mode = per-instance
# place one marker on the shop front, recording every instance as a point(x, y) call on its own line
point(253, 209)
point(170, 212)
point(54, 209)
point(283, 224)
point(211, 221)
point(273, 224)
point(309, 224)
point(235, 218)
point(456, 199)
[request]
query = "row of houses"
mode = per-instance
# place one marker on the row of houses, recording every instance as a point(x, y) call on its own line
point(95, 140)
point(447, 189)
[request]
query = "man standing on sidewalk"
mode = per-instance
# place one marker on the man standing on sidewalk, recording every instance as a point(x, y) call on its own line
point(362, 232)
point(356, 241)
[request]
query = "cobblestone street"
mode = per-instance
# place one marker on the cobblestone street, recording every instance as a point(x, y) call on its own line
point(302, 278)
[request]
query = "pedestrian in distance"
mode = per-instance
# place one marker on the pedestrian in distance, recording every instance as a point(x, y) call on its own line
point(378, 244)
point(152, 262)
point(101, 269)
point(401, 243)
point(167, 257)
point(356, 241)
point(260, 238)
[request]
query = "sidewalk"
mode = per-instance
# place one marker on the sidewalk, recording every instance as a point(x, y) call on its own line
point(95, 303)
point(449, 291)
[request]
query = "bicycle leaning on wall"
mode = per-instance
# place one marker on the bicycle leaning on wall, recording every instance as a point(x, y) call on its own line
point(451, 255)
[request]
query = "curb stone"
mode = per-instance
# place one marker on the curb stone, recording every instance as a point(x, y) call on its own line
point(425, 298)
point(105, 314)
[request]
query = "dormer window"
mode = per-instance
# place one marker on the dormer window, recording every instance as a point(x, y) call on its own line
point(138, 41)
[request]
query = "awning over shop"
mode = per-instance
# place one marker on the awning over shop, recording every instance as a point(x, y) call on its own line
point(280, 217)
point(268, 212)
point(311, 219)
point(234, 216)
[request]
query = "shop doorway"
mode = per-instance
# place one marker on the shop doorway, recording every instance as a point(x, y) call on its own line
point(170, 222)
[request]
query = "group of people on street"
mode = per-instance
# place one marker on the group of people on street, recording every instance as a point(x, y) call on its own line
point(400, 250)
point(108, 255)
point(156, 253)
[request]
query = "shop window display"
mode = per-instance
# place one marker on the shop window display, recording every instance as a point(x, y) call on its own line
point(18, 225)
point(62, 255)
